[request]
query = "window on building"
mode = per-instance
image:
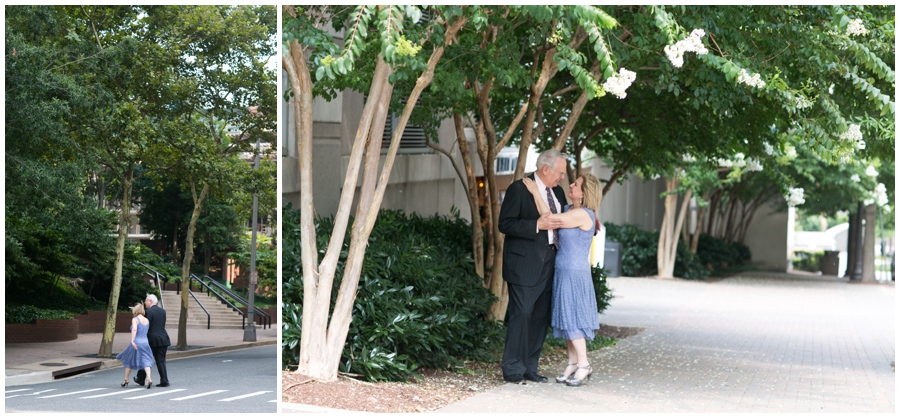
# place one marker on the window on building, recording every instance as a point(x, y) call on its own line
point(505, 164)
point(413, 138)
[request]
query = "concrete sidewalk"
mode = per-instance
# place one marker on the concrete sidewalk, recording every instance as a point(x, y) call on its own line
point(758, 342)
point(38, 362)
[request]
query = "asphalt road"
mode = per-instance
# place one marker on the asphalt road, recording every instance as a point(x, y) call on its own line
point(234, 381)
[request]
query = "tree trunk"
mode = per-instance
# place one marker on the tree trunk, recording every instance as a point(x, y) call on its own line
point(186, 264)
point(109, 331)
point(701, 212)
point(322, 340)
point(472, 188)
point(851, 245)
point(365, 220)
point(868, 250)
point(669, 232)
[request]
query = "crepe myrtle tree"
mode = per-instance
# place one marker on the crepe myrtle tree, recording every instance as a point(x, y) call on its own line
point(491, 80)
point(802, 76)
point(382, 44)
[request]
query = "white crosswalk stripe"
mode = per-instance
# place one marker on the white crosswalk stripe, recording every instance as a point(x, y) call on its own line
point(156, 394)
point(27, 394)
point(244, 396)
point(71, 393)
point(199, 395)
point(117, 392)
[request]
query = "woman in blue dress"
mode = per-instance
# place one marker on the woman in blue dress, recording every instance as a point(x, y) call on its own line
point(574, 303)
point(138, 354)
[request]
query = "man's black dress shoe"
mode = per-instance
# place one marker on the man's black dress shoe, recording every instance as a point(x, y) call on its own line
point(162, 385)
point(139, 382)
point(534, 377)
point(513, 378)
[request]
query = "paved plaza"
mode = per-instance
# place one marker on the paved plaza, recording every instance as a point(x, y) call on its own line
point(758, 342)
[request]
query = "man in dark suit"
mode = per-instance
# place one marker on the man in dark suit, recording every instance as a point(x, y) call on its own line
point(158, 339)
point(529, 255)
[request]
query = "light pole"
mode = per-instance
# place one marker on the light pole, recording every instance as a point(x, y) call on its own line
point(857, 271)
point(250, 330)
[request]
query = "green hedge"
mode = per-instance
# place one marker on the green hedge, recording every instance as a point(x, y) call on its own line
point(807, 261)
point(639, 249)
point(722, 257)
point(27, 314)
point(419, 302)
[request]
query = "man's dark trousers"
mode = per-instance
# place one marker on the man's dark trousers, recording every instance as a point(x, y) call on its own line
point(159, 344)
point(529, 318)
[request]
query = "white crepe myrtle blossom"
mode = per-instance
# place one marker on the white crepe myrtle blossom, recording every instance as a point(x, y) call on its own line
point(855, 178)
point(794, 197)
point(688, 158)
point(868, 202)
point(753, 81)
point(802, 102)
point(754, 165)
point(725, 163)
point(618, 83)
point(870, 171)
point(692, 43)
point(852, 134)
point(856, 28)
point(790, 152)
point(769, 149)
point(881, 194)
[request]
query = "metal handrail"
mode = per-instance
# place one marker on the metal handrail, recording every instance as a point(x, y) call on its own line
point(235, 296)
point(222, 298)
point(156, 279)
point(178, 290)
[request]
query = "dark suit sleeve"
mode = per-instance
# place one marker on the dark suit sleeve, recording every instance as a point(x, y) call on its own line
point(510, 222)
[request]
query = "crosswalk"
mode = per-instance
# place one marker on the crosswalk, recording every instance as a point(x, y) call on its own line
point(181, 394)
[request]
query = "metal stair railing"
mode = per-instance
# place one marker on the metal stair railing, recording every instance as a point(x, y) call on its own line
point(178, 291)
point(220, 297)
point(240, 299)
point(156, 276)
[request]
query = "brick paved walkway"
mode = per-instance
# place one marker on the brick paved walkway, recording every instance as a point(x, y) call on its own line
point(762, 342)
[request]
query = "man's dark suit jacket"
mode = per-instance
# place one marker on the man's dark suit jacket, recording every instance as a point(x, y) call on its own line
point(525, 249)
point(156, 334)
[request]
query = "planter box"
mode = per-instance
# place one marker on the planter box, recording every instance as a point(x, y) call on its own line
point(42, 331)
point(95, 321)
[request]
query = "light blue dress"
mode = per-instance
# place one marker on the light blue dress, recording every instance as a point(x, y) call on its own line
point(143, 356)
point(574, 306)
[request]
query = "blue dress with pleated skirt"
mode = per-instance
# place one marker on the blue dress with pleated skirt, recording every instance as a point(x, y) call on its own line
point(574, 306)
point(143, 356)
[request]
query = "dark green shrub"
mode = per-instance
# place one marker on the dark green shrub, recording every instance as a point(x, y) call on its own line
point(27, 314)
point(419, 303)
point(97, 280)
point(601, 288)
point(807, 261)
point(639, 249)
point(722, 257)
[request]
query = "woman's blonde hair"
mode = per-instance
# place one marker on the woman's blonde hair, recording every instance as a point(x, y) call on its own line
point(592, 192)
point(137, 310)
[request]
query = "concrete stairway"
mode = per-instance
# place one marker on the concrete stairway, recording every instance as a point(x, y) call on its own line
point(221, 316)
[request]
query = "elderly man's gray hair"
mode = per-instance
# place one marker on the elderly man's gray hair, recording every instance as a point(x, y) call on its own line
point(548, 158)
point(152, 298)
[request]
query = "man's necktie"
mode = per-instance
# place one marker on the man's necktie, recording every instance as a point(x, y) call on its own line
point(552, 204)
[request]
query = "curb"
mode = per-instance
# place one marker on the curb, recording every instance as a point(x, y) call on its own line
point(16, 377)
point(287, 407)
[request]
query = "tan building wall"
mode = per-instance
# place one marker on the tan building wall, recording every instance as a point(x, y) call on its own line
point(424, 181)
